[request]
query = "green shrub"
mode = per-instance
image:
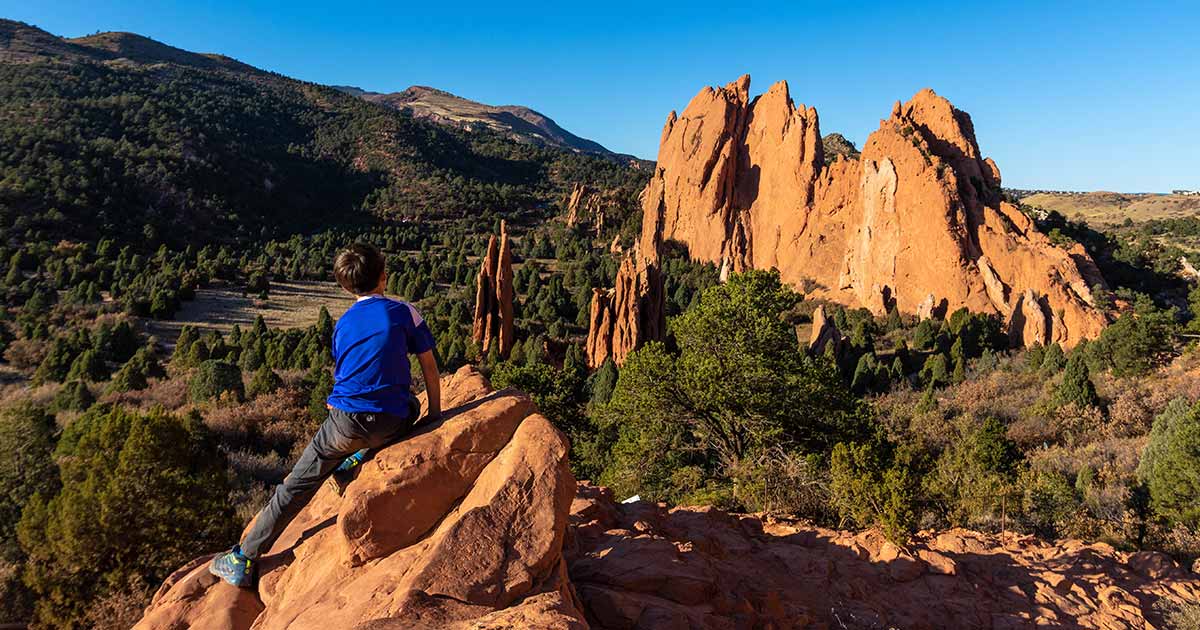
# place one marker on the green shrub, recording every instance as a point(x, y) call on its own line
point(974, 474)
point(877, 484)
point(603, 383)
point(1053, 360)
point(26, 470)
point(141, 494)
point(1076, 386)
point(88, 366)
point(214, 378)
point(1137, 341)
point(134, 374)
point(320, 383)
point(265, 381)
point(1048, 502)
point(1170, 464)
point(56, 364)
point(74, 396)
point(936, 371)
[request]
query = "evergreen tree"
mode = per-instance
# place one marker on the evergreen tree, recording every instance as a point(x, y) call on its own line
point(88, 366)
point(1170, 465)
point(27, 470)
point(1053, 359)
point(183, 346)
point(214, 378)
point(56, 364)
point(74, 396)
point(141, 494)
point(1076, 386)
point(320, 382)
point(265, 381)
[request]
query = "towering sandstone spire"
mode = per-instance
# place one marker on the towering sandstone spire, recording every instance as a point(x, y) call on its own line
point(918, 220)
point(494, 296)
point(631, 313)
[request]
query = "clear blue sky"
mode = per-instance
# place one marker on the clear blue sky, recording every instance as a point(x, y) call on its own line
point(1080, 95)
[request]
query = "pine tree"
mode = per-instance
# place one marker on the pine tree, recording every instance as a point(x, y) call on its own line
point(321, 383)
point(325, 327)
point(88, 366)
point(864, 374)
point(1053, 360)
point(214, 378)
point(265, 381)
point(1170, 465)
point(1076, 386)
point(56, 364)
point(118, 468)
point(74, 396)
point(130, 377)
point(183, 346)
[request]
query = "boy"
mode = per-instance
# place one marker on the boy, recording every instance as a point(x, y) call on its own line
point(371, 405)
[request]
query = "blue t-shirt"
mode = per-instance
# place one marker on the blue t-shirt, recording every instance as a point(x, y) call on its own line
point(371, 344)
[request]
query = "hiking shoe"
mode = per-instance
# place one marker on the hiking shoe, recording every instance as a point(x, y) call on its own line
point(345, 473)
point(234, 568)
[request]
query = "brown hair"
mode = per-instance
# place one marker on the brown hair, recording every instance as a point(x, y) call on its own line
point(358, 268)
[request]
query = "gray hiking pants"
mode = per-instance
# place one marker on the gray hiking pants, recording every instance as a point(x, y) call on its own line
point(340, 436)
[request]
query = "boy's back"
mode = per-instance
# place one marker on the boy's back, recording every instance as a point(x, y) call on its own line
point(371, 344)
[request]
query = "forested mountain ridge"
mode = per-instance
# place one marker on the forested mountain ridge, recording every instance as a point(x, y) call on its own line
point(118, 134)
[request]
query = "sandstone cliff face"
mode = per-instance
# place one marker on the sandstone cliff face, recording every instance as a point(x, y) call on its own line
point(494, 296)
point(461, 525)
point(642, 565)
point(743, 183)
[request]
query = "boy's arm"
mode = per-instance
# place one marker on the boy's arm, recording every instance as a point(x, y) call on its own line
point(433, 384)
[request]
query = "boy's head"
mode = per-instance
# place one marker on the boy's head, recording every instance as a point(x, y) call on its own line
point(359, 268)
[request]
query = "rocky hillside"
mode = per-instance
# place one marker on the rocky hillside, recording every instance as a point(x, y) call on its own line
point(515, 121)
point(917, 222)
point(477, 523)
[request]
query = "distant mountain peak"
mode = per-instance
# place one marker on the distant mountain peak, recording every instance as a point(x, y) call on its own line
point(517, 121)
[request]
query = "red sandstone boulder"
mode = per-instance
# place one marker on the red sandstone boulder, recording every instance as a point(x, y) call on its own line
point(461, 525)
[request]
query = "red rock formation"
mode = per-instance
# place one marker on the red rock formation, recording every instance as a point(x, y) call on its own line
point(642, 565)
point(461, 525)
point(587, 205)
point(743, 184)
point(494, 296)
point(825, 335)
point(628, 315)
